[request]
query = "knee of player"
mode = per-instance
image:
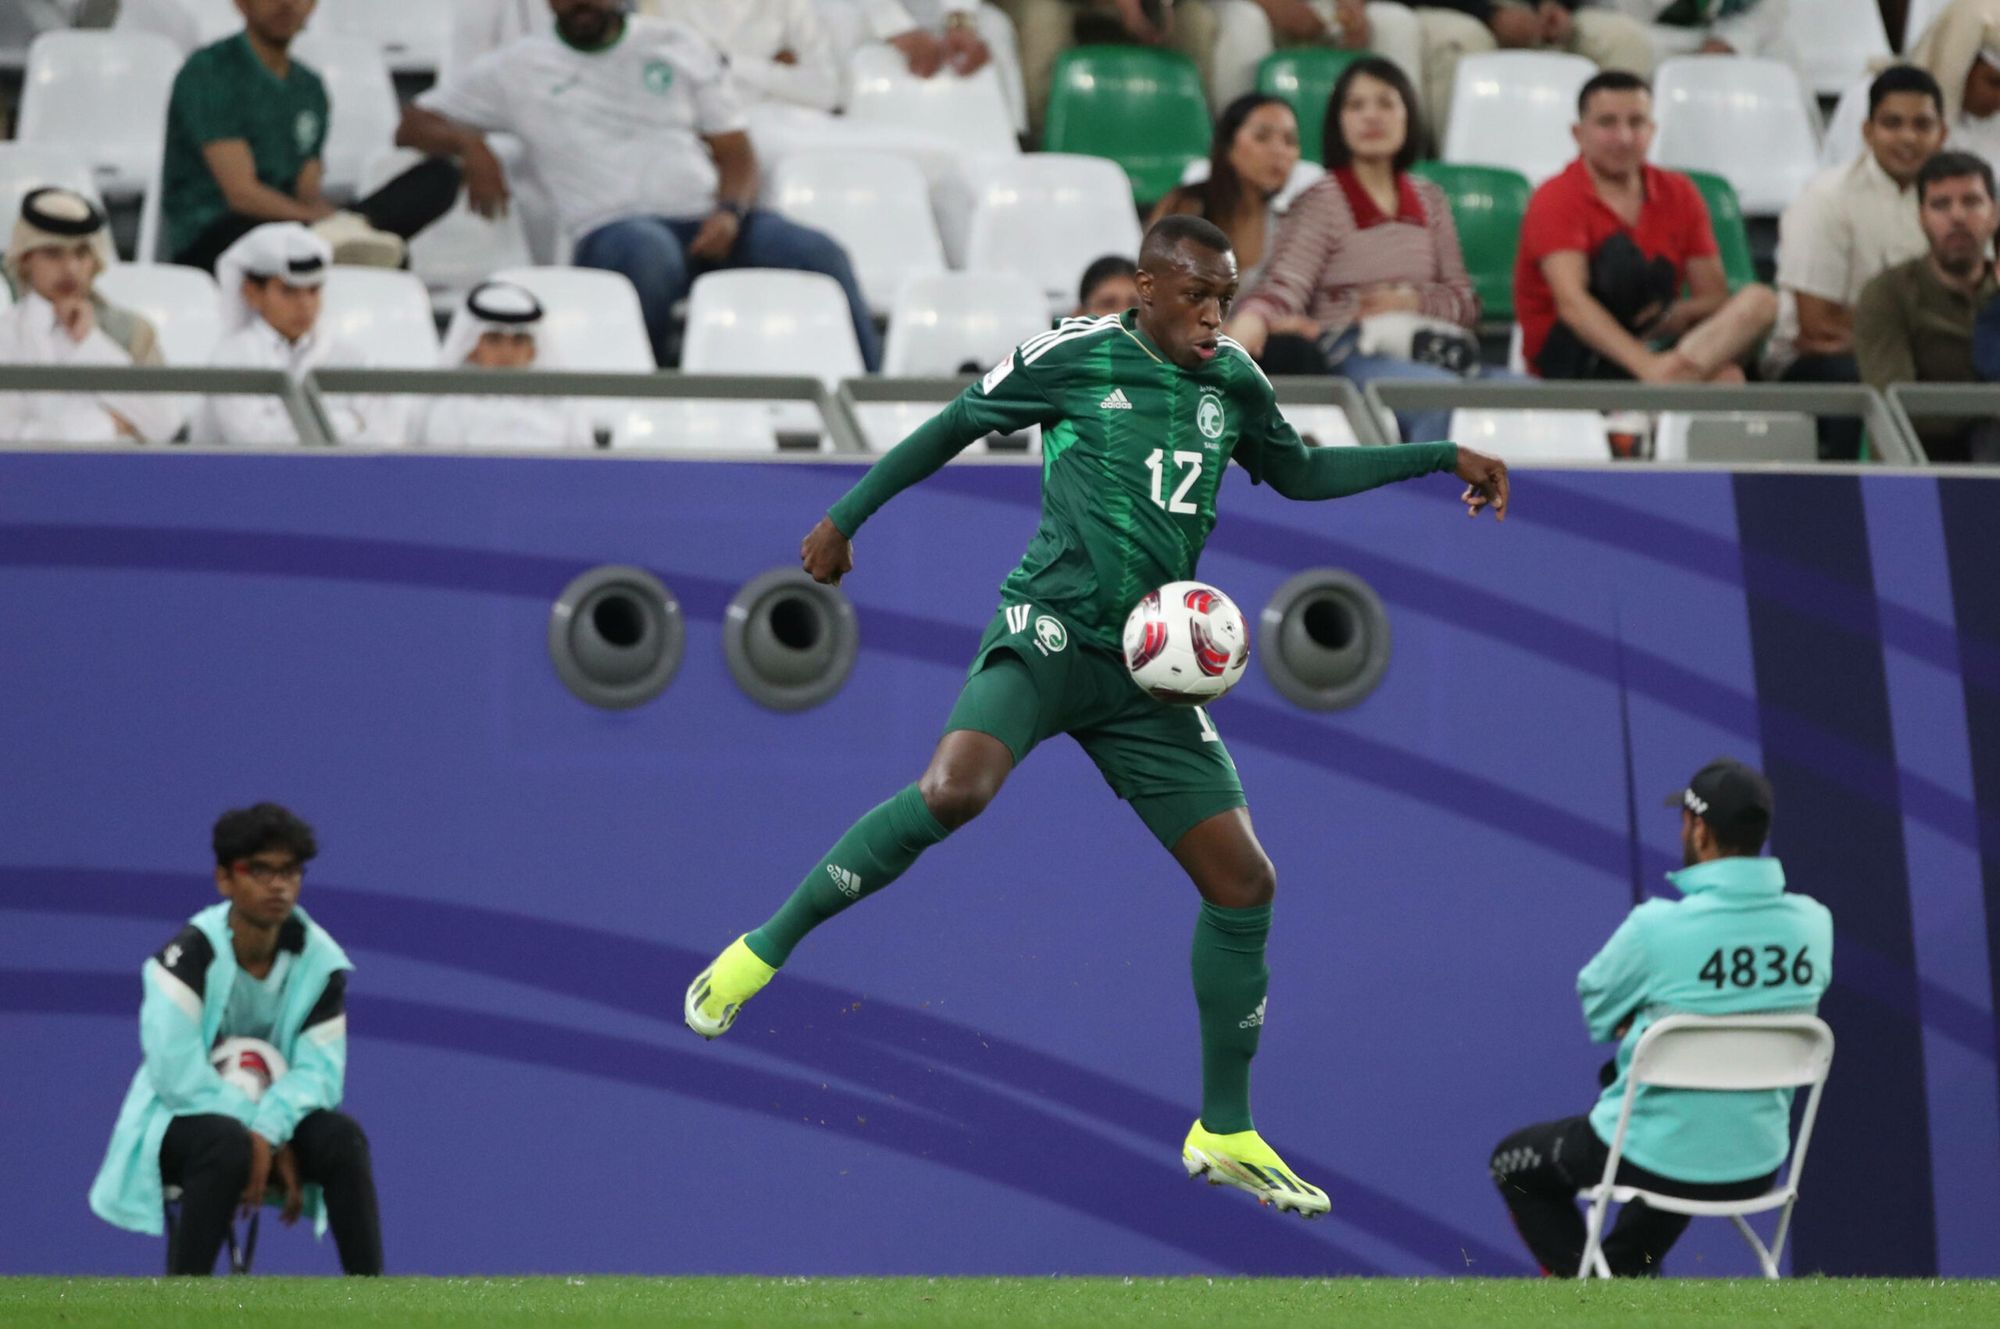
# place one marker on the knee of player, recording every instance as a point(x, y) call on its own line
point(1260, 883)
point(955, 797)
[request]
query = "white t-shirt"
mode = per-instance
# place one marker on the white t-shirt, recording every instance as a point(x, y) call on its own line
point(30, 335)
point(259, 419)
point(612, 133)
point(1847, 225)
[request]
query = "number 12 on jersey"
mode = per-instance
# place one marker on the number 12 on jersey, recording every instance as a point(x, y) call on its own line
point(1189, 466)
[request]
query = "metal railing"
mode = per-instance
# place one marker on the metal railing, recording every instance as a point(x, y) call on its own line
point(301, 402)
point(1911, 402)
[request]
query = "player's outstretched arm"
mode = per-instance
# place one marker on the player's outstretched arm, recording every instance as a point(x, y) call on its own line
point(826, 554)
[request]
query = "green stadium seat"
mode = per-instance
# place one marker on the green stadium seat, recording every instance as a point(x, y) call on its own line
point(1488, 203)
point(1304, 78)
point(1141, 108)
point(1732, 237)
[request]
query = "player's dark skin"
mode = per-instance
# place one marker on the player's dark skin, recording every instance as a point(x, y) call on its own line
point(1185, 290)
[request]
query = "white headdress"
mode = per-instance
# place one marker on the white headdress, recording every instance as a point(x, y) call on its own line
point(493, 306)
point(53, 218)
point(286, 250)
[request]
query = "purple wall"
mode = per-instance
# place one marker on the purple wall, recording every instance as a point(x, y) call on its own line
point(987, 1069)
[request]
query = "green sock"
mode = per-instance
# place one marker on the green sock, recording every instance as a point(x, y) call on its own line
point(875, 851)
point(1230, 980)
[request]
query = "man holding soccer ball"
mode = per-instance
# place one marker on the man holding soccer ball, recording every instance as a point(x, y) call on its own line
point(1141, 412)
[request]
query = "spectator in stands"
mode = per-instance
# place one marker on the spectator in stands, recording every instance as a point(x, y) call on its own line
point(61, 242)
point(1961, 49)
point(1714, 27)
point(1047, 28)
point(1251, 155)
point(1914, 322)
point(1606, 248)
point(1247, 31)
point(245, 129)
point(1851, 223)
point(271, 283)
point(777, 50)
point(633, 124)
point(936, 38)
point(1678, 956)
point(1367, 262)
point(1454, 29)
point(500, 327)
point(1110, 286)
point(254, 966)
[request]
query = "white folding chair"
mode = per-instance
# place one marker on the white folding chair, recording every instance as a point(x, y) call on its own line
point(384, 310)
point(26, 167)
point(876, 204)
point(412, 35)
point(1726, 1053)
point(770, 321)
point(101, 96)
point(1743, 119)
point(1550, 437)
point(457, 251)
point(971, 112)
point(1515, 109)
point(676, 425)
point(1047, 216)
point(947, 320)
point(590, 318)
point(362, 112)
point(180, 303)
point(1835, 40)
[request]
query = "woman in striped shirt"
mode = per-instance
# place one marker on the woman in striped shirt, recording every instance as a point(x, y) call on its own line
point(1369, 239)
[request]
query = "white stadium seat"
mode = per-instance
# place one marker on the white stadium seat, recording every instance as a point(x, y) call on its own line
point(1919, 17)
point(412, 35)
point(101, 96)
point(1515, 109)
point(768, 321)
point(1322, 426)
point(180, 302)
point(1743, 119)
point(386, 312)
point(362, 111)
point(457, 251)
point(591, 318)
point(971, 112)
point(674, 425)
point(1835, 40)
point(1735, 436)
point(884, 424)
point(1534, 436)
point(950, 319)
point(875, 204)
point(1842, 143)
point(1048, 216)
point(26, 167)
point(189, 24)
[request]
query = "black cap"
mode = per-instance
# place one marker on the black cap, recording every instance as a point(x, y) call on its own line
point(1734, 799)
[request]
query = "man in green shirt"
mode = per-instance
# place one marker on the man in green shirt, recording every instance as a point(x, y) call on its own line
point(246, 127)
point(1913, 322)
point(1141, 412)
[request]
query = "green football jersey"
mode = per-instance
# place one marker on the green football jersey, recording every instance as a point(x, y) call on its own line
point(1133, 449)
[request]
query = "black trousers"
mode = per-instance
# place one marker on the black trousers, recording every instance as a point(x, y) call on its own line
point(208, 1157)
point(1839, 439)
point(403, 206)
point(1539, 1170)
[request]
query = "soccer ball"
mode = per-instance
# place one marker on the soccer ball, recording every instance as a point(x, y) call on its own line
point(1186, 643)
point(250, 1064)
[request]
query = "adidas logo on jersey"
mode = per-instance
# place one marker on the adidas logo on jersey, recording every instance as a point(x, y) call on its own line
point(1255, 1020)
point(848, 882)
point(1117, 401)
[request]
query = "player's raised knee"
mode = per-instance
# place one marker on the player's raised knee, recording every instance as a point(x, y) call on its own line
point(957, 794)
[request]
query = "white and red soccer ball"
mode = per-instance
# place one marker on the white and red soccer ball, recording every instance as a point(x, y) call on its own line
point(250, 1064)
point(1186, 643)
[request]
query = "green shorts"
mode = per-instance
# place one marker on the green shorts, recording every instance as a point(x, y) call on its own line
point(1166, 761)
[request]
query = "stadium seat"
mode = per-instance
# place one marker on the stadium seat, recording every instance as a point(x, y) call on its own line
point(767, 321)
point(1514, 109)
point(1321, 426)
point(1534, 436)
point(1725, 218)
point(1303, 77)
point(1743, 119)
point(1918, 17)
point(884, 424)
point(675, 425)
point(26, 167)
point(412, 35)
point(875, 204)
point(1048, 216)
point(947, 320)
point(384, 311)
point(362, 111)
point(591, 317)
point(101, 96)
point(1718, 1054)
point(1842, 143)
point(189, 24)
point(457, 251)
point(1735, 436)
point(1488, 203)
point(971, 112)
point(179, 302)
point(1835, 40)
point(1144, 109)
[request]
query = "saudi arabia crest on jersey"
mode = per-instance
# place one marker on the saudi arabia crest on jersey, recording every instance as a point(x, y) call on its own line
point(1208, 415)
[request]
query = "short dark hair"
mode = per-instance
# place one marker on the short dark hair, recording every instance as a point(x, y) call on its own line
point(1951, 166)
point(241, 832)
point(1334, 150)
point(1609, 80)
point(1175, 229)
point(1102, 271)
point(1904, 78)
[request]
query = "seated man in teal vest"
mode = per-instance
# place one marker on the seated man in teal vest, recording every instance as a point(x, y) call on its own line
point(254, 966)
point(1737, 942)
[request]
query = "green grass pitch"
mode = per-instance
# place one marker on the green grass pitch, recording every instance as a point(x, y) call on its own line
point(1016, 1303)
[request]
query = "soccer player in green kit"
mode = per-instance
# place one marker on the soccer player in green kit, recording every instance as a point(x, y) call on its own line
point(1140, 413)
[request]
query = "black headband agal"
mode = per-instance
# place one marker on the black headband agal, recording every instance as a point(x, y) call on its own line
point(490, 314)
point(36, 215)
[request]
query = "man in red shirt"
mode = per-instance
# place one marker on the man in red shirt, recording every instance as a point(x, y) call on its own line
point(1618, 275)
